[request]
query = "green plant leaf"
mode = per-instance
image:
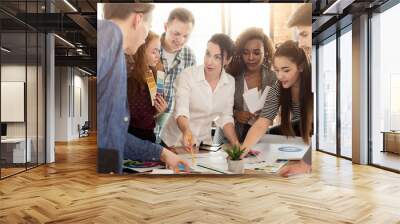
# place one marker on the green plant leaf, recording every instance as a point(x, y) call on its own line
point(234, 152)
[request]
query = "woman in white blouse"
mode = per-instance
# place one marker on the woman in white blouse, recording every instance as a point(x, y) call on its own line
point(204, 94)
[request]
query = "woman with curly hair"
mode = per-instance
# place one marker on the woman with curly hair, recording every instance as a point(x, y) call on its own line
point(251, 67)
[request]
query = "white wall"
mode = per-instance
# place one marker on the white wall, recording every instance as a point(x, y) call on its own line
point(33, 127)
point(16, 73)
point(70, 83)
point(50, 94)
point(61, 103)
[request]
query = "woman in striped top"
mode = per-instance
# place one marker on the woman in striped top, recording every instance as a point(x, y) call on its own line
point(291, 93)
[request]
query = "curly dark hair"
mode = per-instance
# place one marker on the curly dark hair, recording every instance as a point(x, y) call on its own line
point(237, 65)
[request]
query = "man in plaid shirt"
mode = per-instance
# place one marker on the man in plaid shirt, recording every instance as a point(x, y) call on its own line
point(175, 56)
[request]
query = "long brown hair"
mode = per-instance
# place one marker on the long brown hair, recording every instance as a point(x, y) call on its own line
point(138, 66)
point(237, 65)
point(294, 53)
point(225, 44)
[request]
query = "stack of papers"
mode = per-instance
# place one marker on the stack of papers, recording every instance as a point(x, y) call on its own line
point(162, 171)
point(266, 167)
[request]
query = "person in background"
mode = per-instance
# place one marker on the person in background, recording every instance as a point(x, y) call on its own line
point(203, 93)
point(124, 30)
point(175, 55)
point(292, 93)
point(142, 76)
point(251, 67)
point(301, 21)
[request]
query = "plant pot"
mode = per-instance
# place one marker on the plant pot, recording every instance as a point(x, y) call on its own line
point(236, 166)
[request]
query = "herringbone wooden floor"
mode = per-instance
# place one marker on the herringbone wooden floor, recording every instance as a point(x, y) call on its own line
point(70, 191)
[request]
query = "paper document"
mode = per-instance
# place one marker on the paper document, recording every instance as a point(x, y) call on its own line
point(266, 167)
point(162, 171)
point(254, 99)
point(151, 84)
point(160, 83)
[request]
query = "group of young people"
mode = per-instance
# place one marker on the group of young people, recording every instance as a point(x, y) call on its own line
point(195, 96)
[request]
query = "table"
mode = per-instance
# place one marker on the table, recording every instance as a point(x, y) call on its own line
point(270, 147)
point(391, 141)
point(13, 150)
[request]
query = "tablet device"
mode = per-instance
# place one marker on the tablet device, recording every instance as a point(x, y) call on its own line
point(212, 147)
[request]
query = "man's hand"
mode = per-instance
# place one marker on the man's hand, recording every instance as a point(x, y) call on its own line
point(172, 161)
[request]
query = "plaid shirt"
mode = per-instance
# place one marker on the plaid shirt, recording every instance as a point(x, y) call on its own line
point(184, 58)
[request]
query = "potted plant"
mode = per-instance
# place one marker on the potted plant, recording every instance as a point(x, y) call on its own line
point(235, 163)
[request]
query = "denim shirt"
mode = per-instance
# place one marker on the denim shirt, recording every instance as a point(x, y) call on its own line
point(112, 107)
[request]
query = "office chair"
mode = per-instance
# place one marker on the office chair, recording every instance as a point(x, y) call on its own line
point(84, 130)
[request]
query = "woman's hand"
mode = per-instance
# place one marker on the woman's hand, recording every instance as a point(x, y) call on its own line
point(188, 140)
point(299, 167)
point(250, 152)
point(160, 104)
point(243, 116)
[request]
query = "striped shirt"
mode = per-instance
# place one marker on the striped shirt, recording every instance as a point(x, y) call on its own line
point(272, 104)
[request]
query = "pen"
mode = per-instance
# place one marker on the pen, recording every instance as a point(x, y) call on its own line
point(191, 151)
point(211, 169)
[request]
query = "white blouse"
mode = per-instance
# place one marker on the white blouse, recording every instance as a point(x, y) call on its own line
point(195, 100)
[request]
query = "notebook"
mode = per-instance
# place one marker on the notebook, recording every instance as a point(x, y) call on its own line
point(141, 167)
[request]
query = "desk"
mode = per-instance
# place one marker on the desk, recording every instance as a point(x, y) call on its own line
point(391, 141)
point(13, 150)
point(270, 150)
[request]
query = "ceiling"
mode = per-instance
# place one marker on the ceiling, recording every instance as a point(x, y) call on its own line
point(22, 22)
point(76, 23)
point(331, 15)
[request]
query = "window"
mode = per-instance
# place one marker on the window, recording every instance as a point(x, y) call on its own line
point(327, 96)
point(225, 18)
point(22, 63)
point(385, 85)
point(346, 94)
point(256, 16)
